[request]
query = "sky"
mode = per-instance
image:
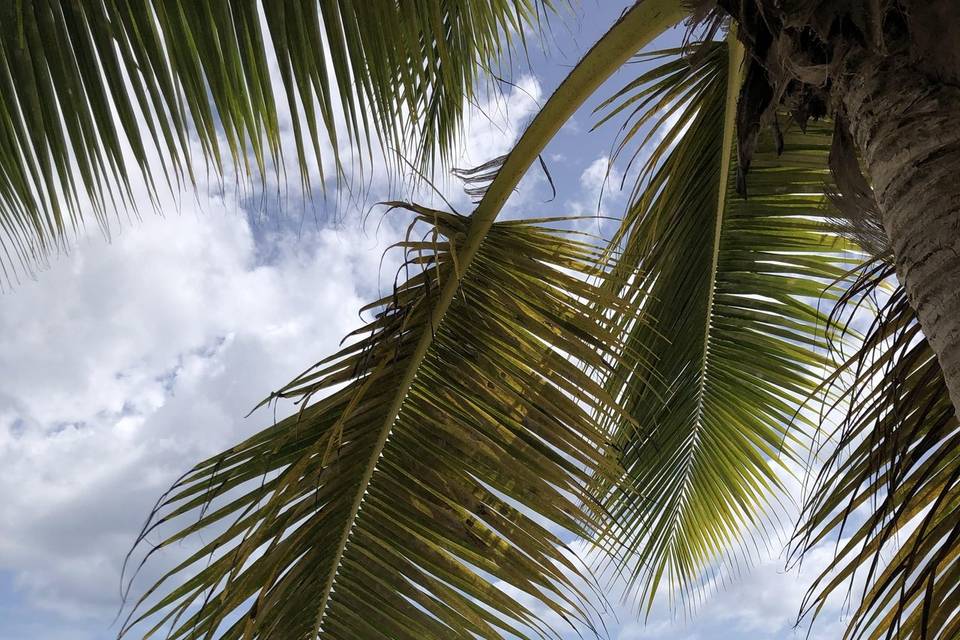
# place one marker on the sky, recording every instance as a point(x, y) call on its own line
point(130, 359)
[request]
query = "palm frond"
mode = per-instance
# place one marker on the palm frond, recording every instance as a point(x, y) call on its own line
point(390, 507)
point(88, 90)
point(385, 514)
point(889, 490)
point(736, 339)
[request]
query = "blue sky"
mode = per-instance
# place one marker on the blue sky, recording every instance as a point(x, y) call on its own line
point(127, 361)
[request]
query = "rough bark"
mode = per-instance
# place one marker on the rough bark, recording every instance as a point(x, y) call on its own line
point(906, 125)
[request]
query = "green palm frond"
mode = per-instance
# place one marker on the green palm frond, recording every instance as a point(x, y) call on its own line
point(89, 89)
point(736, 339)
point(889, 490)
point(363, 517)
point(437, 444)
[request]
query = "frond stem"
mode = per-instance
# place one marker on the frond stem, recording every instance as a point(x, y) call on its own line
point(735, 60)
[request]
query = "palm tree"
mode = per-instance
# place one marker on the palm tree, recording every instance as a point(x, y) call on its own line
point(647, 396)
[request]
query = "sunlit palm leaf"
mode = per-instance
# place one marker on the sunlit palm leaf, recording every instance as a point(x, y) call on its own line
point(890, 485)
point(87, 89)
point(365, 525)
point(732, 286)
point(389, 507)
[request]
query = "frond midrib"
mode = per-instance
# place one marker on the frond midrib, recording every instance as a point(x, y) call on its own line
point(735, 58)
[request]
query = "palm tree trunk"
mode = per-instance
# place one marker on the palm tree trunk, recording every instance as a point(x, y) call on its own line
point(906, 126)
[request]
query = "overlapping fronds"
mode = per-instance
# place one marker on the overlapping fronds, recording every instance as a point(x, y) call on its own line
point(88, 89)
point(889, 491)
point(379, 513)
point(736, 338)
point(445, 448)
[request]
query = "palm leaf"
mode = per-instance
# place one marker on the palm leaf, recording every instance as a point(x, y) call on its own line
point(389, 507)
point(88, 90)
point(894, 457)
point(358, 529)
point(737, 341)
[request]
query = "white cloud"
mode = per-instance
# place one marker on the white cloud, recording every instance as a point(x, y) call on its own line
point(599, 194)
point(491, 128)
point(762, 603)
point(137, 359)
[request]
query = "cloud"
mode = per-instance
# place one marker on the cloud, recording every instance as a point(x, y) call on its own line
point(135, 360)
point(494, 124)
point(761, 602)
point(491, 128)
point(599, 195)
